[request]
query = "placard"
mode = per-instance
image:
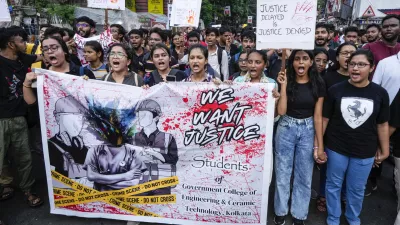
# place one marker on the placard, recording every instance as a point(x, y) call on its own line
point(185, 13)
point(178, 153)
point(107, 4)
point(155, 6)
point(4, 12)
point(286, 24)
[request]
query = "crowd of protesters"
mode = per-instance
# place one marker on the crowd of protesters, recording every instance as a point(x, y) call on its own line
point(337, 106)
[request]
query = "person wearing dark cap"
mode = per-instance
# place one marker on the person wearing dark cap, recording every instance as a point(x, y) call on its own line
point(160, 150)
point(67, 150)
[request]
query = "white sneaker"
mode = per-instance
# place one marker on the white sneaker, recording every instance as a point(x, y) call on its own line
point(132, 223)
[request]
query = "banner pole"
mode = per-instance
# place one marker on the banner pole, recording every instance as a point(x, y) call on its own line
point(106, 17)
point(283, 60)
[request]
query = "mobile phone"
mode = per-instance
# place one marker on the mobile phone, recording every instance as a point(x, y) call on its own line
point(171, 78)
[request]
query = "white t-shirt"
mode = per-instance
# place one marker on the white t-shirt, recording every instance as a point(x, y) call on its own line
point(387, 75)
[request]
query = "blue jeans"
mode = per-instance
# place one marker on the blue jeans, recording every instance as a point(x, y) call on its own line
point(294, 143)
point(356, 172)
point(322, 182)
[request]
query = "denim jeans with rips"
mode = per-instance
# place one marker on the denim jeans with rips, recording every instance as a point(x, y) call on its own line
point(294, 143)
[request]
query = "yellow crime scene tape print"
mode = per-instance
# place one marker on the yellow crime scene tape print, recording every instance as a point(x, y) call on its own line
point(120, 199)
point(67, 193)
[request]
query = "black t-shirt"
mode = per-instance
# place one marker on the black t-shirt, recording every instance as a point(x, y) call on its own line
point(154, 77)
point(353, 115)
point(137, 62)
point(12, 75)
point(303, 104)
point(333, 77)
point(332, 62)
point(395, 122)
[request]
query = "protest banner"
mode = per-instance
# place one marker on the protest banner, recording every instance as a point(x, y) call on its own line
point(179, 152)
point(185, 13)
point(155, 6)
point(4, 12)
point(107, 4)
point(286, 24)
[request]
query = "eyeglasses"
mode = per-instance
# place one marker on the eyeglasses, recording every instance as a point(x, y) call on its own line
point(345, 53)
point(118, 55)
point(242, 60)
point(84, 25)
point(359, 65)
point(53, 48)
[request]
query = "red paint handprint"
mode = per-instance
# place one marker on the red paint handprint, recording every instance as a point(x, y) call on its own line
point(303, 12)
point(191, 16)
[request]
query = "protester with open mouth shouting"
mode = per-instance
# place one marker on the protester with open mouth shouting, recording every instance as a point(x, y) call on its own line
point(198, 59)
point(119, 58)
point(161, 58)
point(298, 140)
point(359, 109)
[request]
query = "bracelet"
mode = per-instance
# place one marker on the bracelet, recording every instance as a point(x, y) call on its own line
point(23, 84)
point(315, 147)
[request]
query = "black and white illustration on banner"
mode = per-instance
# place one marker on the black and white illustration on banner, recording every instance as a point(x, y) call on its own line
point(160, 151)
point(356, 111)
point(67, 150)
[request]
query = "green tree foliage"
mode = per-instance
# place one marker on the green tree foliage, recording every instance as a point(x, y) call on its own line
point(64, 11)
point(207, 12)
point(215, 8)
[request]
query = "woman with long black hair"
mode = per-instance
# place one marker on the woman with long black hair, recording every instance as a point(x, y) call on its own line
point(298, 140)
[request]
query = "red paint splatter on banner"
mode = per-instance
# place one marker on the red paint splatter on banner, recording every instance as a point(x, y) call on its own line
point(226, 172)
point(185, 100)
point(250, 149)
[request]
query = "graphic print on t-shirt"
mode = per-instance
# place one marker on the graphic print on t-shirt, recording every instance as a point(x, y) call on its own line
point(13, 86)
point(356, 111)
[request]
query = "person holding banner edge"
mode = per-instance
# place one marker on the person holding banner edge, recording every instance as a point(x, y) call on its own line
point(298, 136)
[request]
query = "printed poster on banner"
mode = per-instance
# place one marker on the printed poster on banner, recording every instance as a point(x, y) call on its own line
point(4, 12)
point(107, 4)
point(185, 13)
point(186, 153)
point(286, 24)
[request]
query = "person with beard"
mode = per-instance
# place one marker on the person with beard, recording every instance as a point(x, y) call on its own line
point(248, 39)
point(373, 33)
point(388, 45)
point(321, 41)
point(161, 57)
point(136, 40)
point(14, 64)
point(85, 31)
